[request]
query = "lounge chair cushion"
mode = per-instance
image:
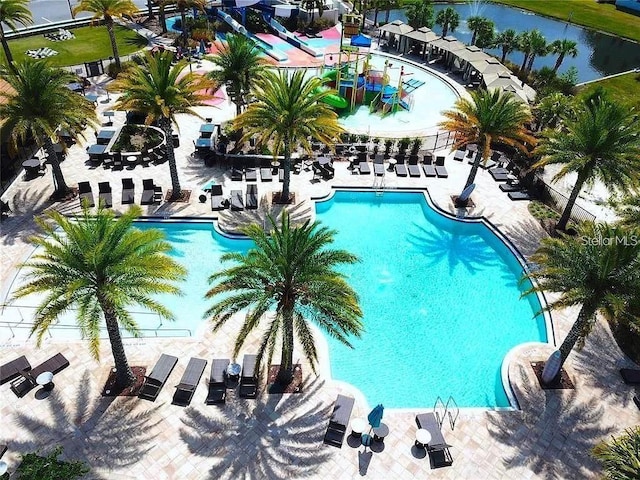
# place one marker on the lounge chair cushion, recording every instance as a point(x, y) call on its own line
point(12, 369)
point(158, 376)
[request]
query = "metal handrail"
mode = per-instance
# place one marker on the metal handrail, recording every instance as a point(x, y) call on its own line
point(452, 419)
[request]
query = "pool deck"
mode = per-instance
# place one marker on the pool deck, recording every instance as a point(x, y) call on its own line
point(280, 436)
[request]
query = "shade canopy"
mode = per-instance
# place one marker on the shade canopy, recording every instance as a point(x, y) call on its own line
point(471, 53)
point(448, 43)
point(423, 34)
point(490, 66)
point(397, 27)
point(375, 416)
point(360, 40)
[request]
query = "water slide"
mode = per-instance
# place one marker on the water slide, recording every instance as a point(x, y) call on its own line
point(334, 100)
point(290, 37)
point(265, 47)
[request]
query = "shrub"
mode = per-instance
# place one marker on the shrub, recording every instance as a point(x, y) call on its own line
point(36, 467)
point(620, 456)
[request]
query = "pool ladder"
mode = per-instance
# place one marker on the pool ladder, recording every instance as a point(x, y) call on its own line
point(378, 186)
point(446, 410)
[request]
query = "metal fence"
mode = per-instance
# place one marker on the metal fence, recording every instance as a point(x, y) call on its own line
point(559, 201)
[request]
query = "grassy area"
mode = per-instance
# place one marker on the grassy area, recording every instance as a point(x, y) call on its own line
point(589, 13)
point(91, 43)
point(624, 89)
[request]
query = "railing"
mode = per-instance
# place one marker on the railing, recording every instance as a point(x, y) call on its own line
point(449, 410)
point(559, 202)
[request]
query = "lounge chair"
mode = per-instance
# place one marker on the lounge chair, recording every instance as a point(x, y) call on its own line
point(631, 376)
point(157, 378)
point(237, 202)
point(236, 174)
point(459, 156)
point(104, 194)
point(499, 174)
point(11, 370)
point(217, 200)
point(189, 382)
point(401, 168)
point(510, 187)
point(218, 381)
point(339, 420)
point(251, 174)
point(86, 194)
point(27, 381)
point(265, 174)
point(364, 168)
point(378, 165)
point(249, 378)
point(128, 191)
point(437, 448)
point(281, 174)
point(428, 168)
point(148, 192)
point(414, 170)
point(522, 195)
point(441, 170)
point(252, 196)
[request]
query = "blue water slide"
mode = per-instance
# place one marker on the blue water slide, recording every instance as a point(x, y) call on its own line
point(262, 45)
point(290, 37)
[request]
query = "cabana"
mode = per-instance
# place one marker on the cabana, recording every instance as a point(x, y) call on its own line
point(399, 28)
point(423, 35)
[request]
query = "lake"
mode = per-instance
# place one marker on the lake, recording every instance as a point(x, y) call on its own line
point(599, 54)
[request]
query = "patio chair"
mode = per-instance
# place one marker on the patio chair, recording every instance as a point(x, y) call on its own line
point(148, 192)
point(364, 168)
point(252, 196)
point(236, 174)
point(104, 194)
point(401, 168)
point(251, 175)
point(217, 200)
point(85, 194)
point(441, 170)
point(631, 376)
point(437, 447)
point(154, 382)
point(339, 420)
point(459, 156)
point(249, 378)
point(189, 382)
point(218, 381)
point(236, 200)
point(128, 191)
point(12, 369)
point(27, 381)
point(116, 164)
point(281, 175)
point(427, 167)
point(265, 174)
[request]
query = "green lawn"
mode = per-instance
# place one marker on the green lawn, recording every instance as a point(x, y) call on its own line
point(91, 43)
point(599, 16)
point(625, 88)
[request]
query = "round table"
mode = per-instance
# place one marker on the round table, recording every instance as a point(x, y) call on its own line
point(358, 425)
point(380, 432)
point(45, 380)
point(423, 437)
point(275, 164)
point(31, 167)
point(132, 159)
point(392, 163)
point(233, 371)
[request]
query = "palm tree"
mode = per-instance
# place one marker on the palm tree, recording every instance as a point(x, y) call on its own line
point(507, 41)
point(601, 141)
point(628, 210)
point(479, 26)
point(563, 48)
point(38, 105)
point(289, 111)
point(239, 64)
point(551, 109)
point(292, 270)
point(538, 47)
point(108, 10)
point(183, 6)
point(524, 45)
point(312, 6)
point(420, 14)
point(156, 89)
point(13, 12)
point(488, 117)
point(162, 5)
point(448, 19)
point(596, 269)
point(620, 457)
point(100, 266)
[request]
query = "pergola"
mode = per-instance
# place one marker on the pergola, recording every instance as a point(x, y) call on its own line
point(423, 35)
point(397, 27)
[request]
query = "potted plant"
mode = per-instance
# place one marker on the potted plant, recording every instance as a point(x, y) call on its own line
point(388, 145)
point(363, 138)
point(403, 145)
point(415, 146)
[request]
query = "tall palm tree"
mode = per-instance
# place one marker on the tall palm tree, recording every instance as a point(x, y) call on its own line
point(551, 109)
point(628, 210)
point(292, 270)
point(420, 14)
point(156, 89)
point(38, 106)
point(601, 141)
point(100, 266)
point(596, 269)
point(183, 6)
point(524, 45)
point(480, 26)
point(312, 6)
point(562, 48)
point(620, 456)
point(12, 13)
point(239, 64)
point(289, 111)
point(507, 41)
point(538, 47)
point(488, 117)
point(108, 10)
point(448, 19)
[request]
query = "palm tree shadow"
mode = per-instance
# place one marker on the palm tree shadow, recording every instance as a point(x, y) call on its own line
point(553, 434)
point(234, 221)
point(277, 435)
point(137, 41)
point(105, 432)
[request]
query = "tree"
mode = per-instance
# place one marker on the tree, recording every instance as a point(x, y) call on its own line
point(488, 117)
point(34, 466)
point(162, 5)
point(312, 6)
point(448, 19)
point(289, 111)
point(108, 10)
point(538, 47)
point(183, 6)
point(507, 41)
point(12, 13)
point(483, 31)
point(562, 48)
point(293, 271)
point(620, 457)
point(239, 64)
point(595, 269)
point(551, 109)
point(100, 266)
point(601, 141)
point(156, 89)
point(628, 210)
point(524, 45)
point(420, 14)
point(38, 106)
